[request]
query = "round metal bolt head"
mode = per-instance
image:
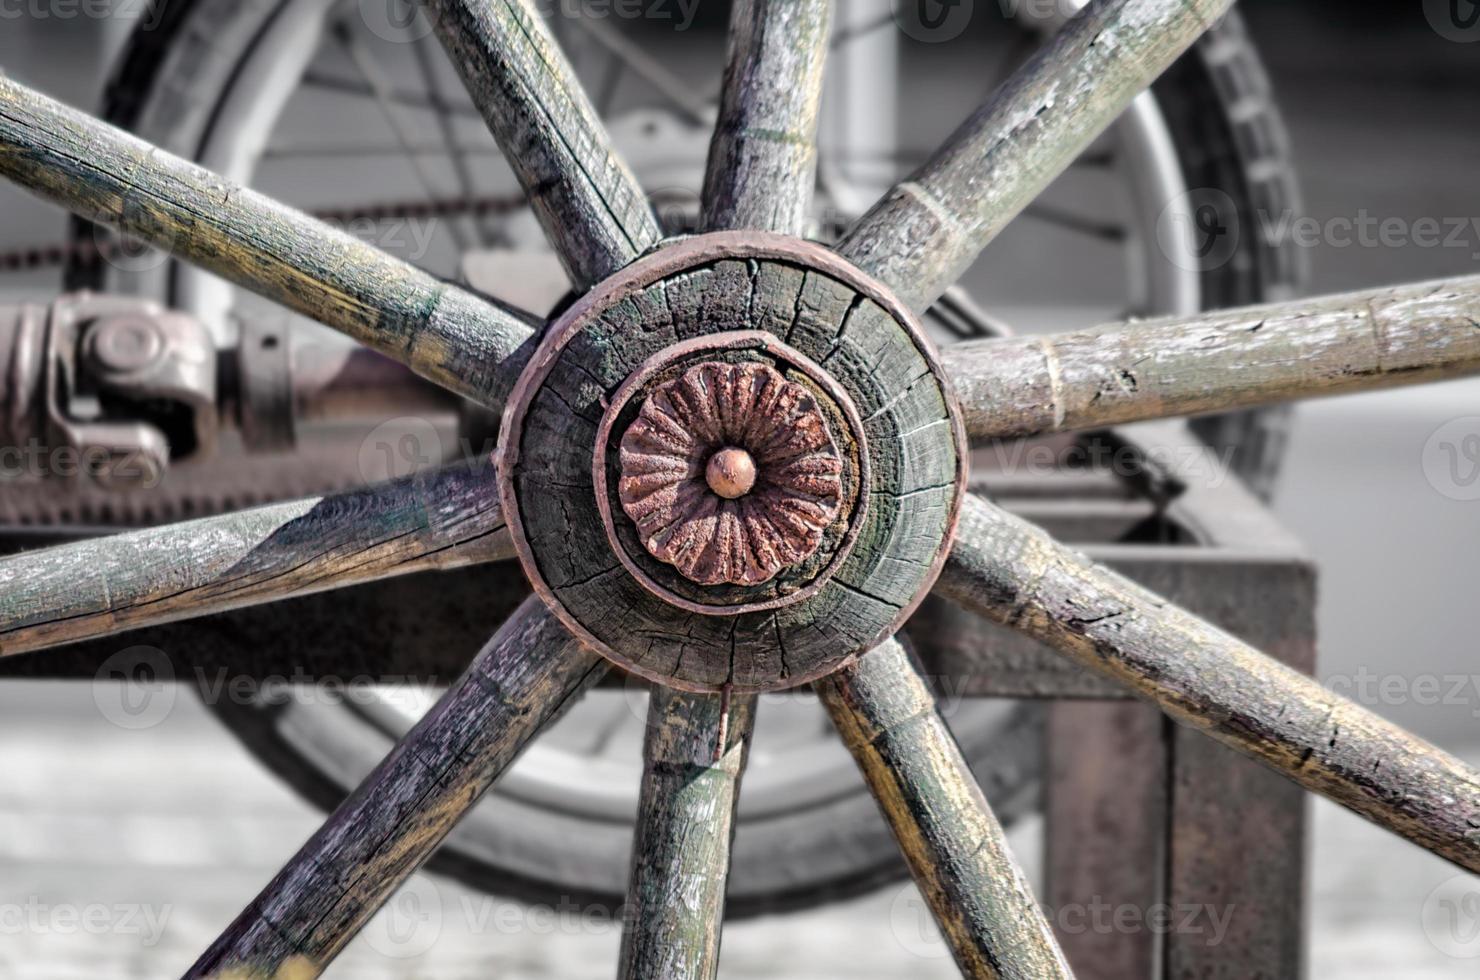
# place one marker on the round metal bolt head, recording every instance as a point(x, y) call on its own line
point(125, 344)
point(730, 473)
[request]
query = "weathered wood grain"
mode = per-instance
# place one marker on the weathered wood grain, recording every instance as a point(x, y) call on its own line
point(686, 825)
point(1013, 573)
point(523, 679)
point(787, 290)
point(448, 335)
point(590, 205)
point(763, 156)
point(1213, 362)
point(442, 519)
point(929, 227)
point(955, 848)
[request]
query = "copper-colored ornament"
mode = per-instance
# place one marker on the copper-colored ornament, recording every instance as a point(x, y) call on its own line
point(730, 473)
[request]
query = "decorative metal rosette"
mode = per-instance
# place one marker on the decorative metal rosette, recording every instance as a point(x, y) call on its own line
point(731, 473)
point(704, 542)
point(733, 464)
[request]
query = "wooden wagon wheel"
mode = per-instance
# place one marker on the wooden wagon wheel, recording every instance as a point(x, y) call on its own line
point(733, 466)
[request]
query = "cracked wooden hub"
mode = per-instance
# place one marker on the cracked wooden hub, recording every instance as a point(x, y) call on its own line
point(735, 462)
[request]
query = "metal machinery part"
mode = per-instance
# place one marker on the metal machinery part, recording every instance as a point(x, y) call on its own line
point(106, 389)
point(121, 390)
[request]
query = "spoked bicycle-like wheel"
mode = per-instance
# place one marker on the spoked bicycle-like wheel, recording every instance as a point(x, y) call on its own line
point(735, 465)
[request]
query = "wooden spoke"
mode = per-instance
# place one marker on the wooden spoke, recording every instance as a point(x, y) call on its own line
point(931, 226)
point(953, 844)
point(522, 680)
point(692, 762)
point(1128, 372)
point(448, 335)
point(590, 204)
point(444, 519)
point(763, 158)
point(761, 169)
point(1015, 574)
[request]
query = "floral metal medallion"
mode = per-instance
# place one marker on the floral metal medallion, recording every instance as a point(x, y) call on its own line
point(730, 473)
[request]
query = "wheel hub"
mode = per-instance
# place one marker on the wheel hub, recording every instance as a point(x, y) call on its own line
point(733, 464)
